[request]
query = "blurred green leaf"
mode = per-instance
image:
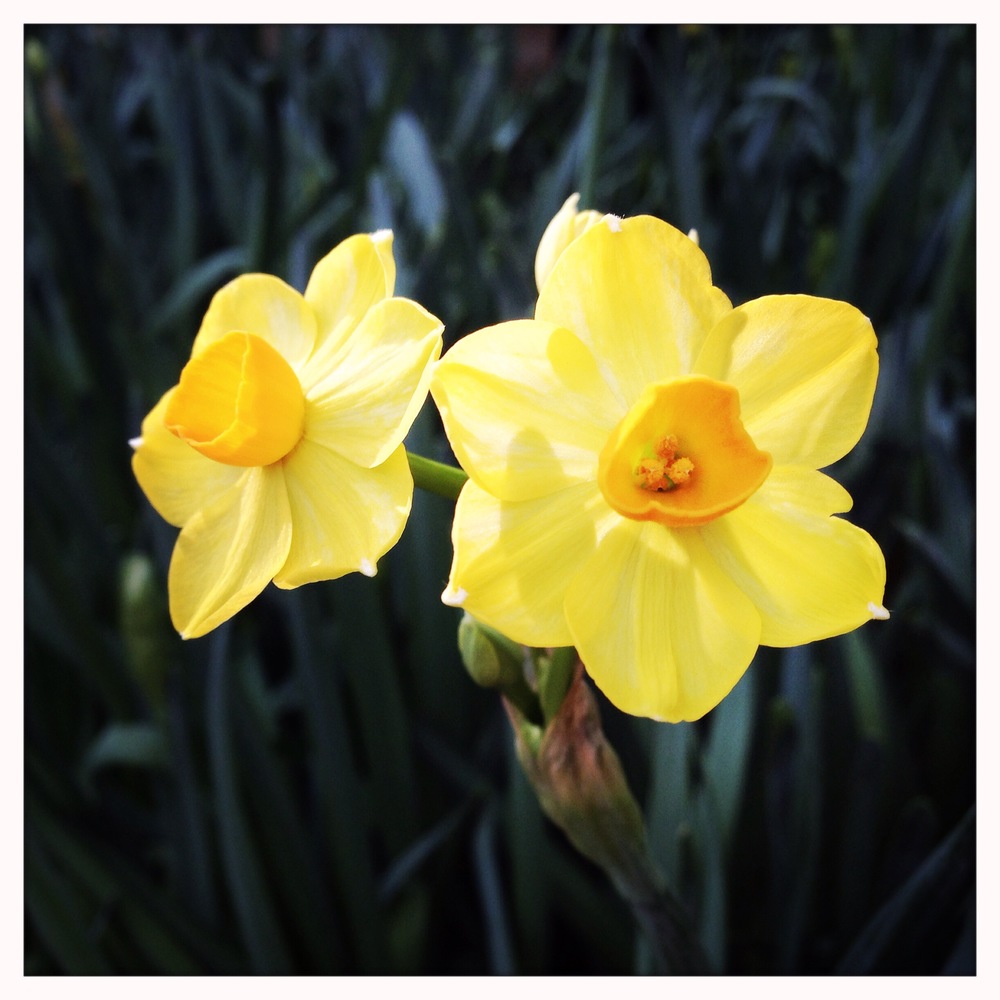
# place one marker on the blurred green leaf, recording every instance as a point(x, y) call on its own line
point(137, 744)
point(337, 785)
point(197, 282)
point(669, 805)
point(255, 913)
point(59, 915)
point(727, 755)
point(497, 926)
point(410, 156)
point(906, 925)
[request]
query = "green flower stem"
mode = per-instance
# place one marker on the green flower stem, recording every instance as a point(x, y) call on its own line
point(581, 787)
point(435, 477)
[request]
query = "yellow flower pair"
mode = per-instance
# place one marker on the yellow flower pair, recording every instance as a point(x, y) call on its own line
point(642, 456)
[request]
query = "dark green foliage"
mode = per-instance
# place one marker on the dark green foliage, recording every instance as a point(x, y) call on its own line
point(318, 787)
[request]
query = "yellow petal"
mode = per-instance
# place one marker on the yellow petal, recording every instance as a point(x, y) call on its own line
point(809, 574)
point(660, 628)
point(639, 294)
point(525, 408)
point(266, 307)
point(514, 561)
point(229, 551)
point(805, 368)
point(376, 384)
point(344, 285)
point(177, 481)
point(565, 226)
point(344, 517)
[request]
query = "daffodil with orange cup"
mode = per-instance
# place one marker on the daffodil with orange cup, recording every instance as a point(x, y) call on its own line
point(643, 463)
point(279, 453)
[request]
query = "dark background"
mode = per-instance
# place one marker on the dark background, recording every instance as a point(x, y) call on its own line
point(317, 786)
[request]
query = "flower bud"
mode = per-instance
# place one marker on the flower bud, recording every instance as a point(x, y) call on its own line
point(494, 661)
point(582, 788)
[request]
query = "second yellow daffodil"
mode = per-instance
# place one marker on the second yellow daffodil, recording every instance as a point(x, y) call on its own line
point(643, 468)
point(279, 453)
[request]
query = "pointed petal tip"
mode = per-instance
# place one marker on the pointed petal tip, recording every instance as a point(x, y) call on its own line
point(614, 223)
point(877, 611)
point(368, 567)
point(382, 236)
point(135, 443)
point(454, 598)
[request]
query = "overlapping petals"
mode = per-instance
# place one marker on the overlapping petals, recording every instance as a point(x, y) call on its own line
point(666, 618)
point(810, 575)
point(228, 552)
point(177, 480)
point(524, 367)
point(374, 385)
point(566, 225)
point(351, 279)
point(664, 631)
point(265, 306)
point(643, 304)
point(806, 370)
point(341, 518)
point(338, 499)
point(515, 560)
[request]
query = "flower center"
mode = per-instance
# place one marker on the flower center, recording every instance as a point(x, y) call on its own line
point(681, 456)
point(238, 402)
point(664, 469)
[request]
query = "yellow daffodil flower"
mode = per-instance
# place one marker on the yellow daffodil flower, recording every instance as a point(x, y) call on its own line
point(279, 453)
point(643, 470)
